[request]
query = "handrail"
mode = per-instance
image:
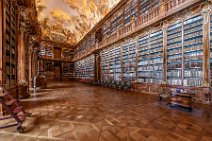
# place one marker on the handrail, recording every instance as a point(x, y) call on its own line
point(164, 7)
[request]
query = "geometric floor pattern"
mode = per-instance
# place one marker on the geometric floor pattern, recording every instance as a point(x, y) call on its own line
point(71, 111)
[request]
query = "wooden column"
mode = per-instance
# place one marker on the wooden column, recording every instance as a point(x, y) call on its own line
point(164, 28)
point(206, 46)
point(21, 56)
point(30, 63)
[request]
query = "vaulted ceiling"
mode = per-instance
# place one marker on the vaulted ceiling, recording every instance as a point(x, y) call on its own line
point(69, 20)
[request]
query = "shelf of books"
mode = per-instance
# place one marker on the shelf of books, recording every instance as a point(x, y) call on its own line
point(113, 24)
point(174, 53)
point(89, 67)
point(42, 51)
point(193, 51)
point(145, 7)
point(82, 69)
point(119, 22)
point(155, 66)
point(68, 70)
point(134, 9)
point(127, 14)
point(10, 44)
point(105, 64)
point(106, 30)
point(112, 63)
point(211, 50)
point(65, 54)
point(77, 66)
point(129, 61)
point(115, 63)
point(143, 59)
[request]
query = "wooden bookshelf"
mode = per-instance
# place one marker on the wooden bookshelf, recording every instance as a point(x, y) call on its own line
point(165, 44)
point(9, 48)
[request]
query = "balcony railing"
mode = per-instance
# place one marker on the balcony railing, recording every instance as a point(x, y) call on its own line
point(139, 23)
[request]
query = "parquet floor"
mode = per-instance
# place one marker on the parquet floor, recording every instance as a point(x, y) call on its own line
point(78, 112)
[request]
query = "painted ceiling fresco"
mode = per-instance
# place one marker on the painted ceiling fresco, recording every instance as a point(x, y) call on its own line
point(69, 20)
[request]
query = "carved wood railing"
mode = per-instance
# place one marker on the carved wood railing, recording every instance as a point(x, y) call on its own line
point(139, 23)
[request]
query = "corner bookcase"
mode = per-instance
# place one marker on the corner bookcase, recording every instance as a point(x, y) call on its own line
point(10, 43)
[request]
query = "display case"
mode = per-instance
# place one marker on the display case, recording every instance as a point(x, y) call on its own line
point(193, 51)
point(174, 53)
point(129, 61)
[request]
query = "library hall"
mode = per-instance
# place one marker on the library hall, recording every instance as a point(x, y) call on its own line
point(105, 70)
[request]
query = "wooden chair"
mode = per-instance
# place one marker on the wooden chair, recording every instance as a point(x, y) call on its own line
point(164, 95)
point(117, 84)
point(121, 85)
point(127, 85)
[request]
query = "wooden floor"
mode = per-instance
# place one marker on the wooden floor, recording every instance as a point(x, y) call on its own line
point(78, 112)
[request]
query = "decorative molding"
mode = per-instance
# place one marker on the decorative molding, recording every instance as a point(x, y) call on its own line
point(206, 11)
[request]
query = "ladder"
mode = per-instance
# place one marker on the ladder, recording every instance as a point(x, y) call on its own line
point(14, 109)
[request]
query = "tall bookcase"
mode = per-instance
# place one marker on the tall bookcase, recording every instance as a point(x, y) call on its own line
point(145, 6)
point(105, 64)
point(112, 63)
point(119, 20)
point(185, 52)
point(127, 14)
point(156, 57)
point(143, 59)
point(68, 69)
point(134, 8)
point(211, 49)
point(84, 69)
point(150, 58)
point(10, 43)
point(115, 63)
point(174, 53)
point(129, 61)
point(89, 67)
point(77, 67)
point(193, 51)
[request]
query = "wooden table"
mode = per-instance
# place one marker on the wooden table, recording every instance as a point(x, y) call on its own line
point(182, 99)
